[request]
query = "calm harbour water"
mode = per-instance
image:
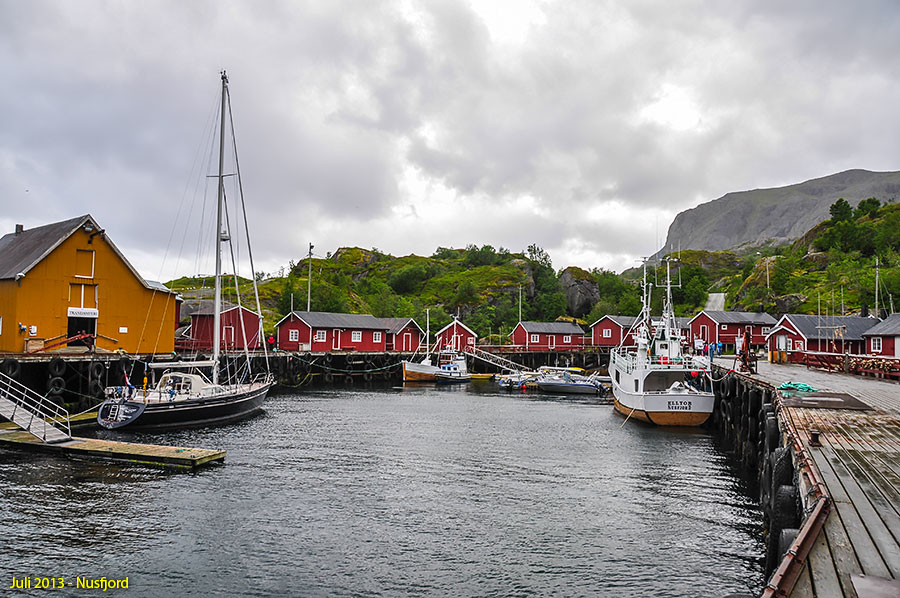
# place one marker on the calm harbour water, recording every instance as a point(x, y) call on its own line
point(390, 492)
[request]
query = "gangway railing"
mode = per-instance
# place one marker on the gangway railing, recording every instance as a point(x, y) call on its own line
point(500, 362)
point(34, 413)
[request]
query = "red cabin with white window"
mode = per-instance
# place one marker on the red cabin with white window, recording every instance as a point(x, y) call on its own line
point(883, 339)
point(321, 332)
point(727, 326)
point(795, 334)
point(455, 336)
point(612, 331)
point(548, 336)
point(402, 334)
point(238, 327)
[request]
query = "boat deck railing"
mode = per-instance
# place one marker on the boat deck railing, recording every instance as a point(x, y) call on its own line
point(627, 362)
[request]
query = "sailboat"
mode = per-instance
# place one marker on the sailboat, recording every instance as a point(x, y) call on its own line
point(654, 381)
point(183, 399)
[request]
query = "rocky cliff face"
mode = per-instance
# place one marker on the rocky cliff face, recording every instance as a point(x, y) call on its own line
point(775, 215)
point(581, 290)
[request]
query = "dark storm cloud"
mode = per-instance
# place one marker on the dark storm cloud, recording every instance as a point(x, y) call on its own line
point(353, 118)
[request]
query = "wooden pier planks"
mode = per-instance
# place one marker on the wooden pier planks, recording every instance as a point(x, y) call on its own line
point(859, 463)
point(146, 454)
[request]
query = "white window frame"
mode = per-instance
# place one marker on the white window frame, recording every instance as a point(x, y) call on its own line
point(294, 335)
point(567, 340)
point(321, 336)
point(766, 330)
point(535, 338)
point(798, 346)
point(790, 344)
point(876, 344)
point(376, 337)
point(724, 326)
point(471, 341)
point(607, 333)
point(356, 336)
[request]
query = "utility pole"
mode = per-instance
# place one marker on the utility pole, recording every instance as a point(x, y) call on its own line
point(309, 280)
point(520, 303)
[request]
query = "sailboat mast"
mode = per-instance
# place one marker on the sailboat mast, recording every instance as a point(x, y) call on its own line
point(217, 307)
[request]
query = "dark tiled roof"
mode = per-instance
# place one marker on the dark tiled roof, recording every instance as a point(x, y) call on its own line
point(741, 317)
point(682, 322)
point(21, 252)
point(849, 328)
point(890, 326)
point(395, 325)
point(321, 319)
point(552, 328)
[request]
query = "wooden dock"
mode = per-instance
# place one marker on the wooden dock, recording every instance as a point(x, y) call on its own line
point(849, 480)
point(92, 448)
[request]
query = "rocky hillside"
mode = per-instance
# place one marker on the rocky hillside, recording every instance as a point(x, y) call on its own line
point(775, 216)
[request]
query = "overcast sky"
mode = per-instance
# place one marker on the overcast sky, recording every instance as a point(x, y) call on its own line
point(581, 126)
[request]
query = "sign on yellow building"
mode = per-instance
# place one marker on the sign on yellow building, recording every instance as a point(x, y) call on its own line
point(67, 279)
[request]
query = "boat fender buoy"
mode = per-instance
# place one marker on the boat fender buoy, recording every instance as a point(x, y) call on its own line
point(11, 367)
point(96, 369)
point(56, 385)
point(57, 366)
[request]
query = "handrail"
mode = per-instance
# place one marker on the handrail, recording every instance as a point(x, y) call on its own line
point(30, 406)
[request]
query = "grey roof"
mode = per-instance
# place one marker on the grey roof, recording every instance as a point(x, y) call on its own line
point(623, 321)
point(683, 322)
point(552, 328)
point(849, 328)
point(740, 317)
point(321, 319)
point(395, 325)
point(888, 327)
point(21, 252)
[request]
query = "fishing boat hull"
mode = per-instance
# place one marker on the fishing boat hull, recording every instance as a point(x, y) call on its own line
point(203, 411)
point(664, 408)
point(445, 378)
point(418, 372)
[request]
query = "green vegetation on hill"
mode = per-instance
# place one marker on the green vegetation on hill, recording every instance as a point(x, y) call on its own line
point(830, 266)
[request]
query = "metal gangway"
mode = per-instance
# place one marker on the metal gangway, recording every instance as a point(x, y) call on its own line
point(36, 414)
point(500, 362)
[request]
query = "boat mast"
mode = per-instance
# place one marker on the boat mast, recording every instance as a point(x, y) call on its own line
point(217, 308)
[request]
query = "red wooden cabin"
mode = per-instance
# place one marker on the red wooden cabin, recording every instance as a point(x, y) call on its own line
point(794, 334)
point(324, 331)
point(455, 336)
point(884, 338)
point(726, 326)
point(233, 332)
point(402, 334)
point(612, 331)
point(548, 336)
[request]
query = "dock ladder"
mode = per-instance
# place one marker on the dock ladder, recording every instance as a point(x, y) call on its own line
point(36, 414)
point(500, 362)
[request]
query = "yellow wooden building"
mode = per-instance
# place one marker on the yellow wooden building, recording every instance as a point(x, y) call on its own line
point(67, 278)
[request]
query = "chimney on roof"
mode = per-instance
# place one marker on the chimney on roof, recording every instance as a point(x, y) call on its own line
point(19, 229)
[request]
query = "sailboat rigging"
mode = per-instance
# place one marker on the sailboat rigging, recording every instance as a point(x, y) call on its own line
point(183, 399)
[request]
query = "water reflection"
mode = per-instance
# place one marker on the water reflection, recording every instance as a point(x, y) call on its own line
point(442, 490)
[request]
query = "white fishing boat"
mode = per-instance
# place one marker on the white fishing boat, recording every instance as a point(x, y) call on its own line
point(452, 373)
point(654, 381)
point(426, 371)
point(191, 398)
